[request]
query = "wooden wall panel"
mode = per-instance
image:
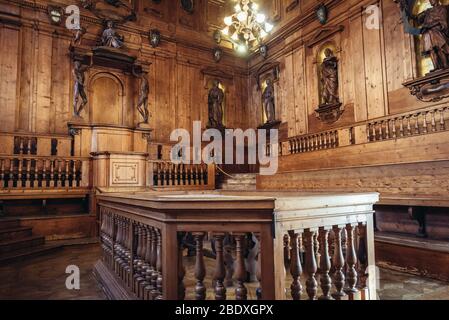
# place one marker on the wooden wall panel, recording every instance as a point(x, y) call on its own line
point(373, 55)
point(9, 38)
point(300, 106)
point(43, 83)
point(61, 105)
point(358, 65)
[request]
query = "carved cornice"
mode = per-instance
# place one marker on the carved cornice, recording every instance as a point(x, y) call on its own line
point(214, 72)
point(322, 34)
point(267, 67)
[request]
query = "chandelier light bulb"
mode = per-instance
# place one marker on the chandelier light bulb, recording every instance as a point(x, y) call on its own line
point(268, 27)
point(263, 34)
point(225, 31)
point(235, 36)
point(242, 48)
point(238, 8)
point(228, 21)
point(260, 18)
point(241, 16)
point(254, 6)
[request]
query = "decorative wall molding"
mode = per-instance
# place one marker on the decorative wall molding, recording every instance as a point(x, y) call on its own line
point(322, 34)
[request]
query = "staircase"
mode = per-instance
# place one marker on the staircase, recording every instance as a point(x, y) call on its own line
point(239, 182)
point(17, 242)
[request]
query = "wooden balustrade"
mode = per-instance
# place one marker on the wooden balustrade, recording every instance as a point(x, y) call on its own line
point(144, 251)
point(329, 240)
point(165, 174)
point(313, 142)
point(344, 269)
point(26, 172)
point(415, 123)
point(421, 122)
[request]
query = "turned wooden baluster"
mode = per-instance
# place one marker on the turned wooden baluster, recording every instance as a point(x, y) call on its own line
point(147, 269)
point(181, 268)
point(351, 259)
point(160, 174)
point(59, 183)
point(362, 255)
point(424, 125)
point(259, 268)
point(338, 263)
point(2, 173)
point(200, 268)
point(159, 281)
point(35, 173)
point(433, 123)
point(286, 251)
point(409, 127)
point(11, 173)
point(416, 127)
point(442, 123)
point(28, 173)
point(387, 129)
point(120, 238)
point(145, 262)
point(310, 265)
point(128, 248)
point(153, 285)
point(137, 262)
point(152, 272)
point(220, 271)
point(52, 173)
point(19, 172)
point(241, 291)
point(325, 264)
point(295, 266)
point(393, 128)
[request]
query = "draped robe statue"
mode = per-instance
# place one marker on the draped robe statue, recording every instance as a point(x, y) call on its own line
point(215, 103)
point(268, 102)
point(329, 78)
point(110, 38)
point(435, 34)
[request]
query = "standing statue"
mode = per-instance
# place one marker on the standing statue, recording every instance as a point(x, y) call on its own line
point(268, 101)
point(142, 104)
point(329, 78)
point(110, 38)
point(435, 33)
point(215, 101)
point(78, 74)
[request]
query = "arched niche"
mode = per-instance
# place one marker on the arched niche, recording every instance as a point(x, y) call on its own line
point(424, 63)
point(319, 59)
point(223, 86)
point(106, 99)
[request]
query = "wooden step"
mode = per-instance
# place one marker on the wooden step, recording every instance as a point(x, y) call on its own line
point(7, 223)
point(20, 254)
point(15, 244)
point(15, 233)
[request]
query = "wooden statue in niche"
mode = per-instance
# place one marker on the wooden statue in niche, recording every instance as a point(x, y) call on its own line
point(142, 104)
point(330, 109)
point(79, 79)
point(435, 31)
point(433, 26)
point(110, 37)
point(329, 78)
point(268, 102)
point(215, 106)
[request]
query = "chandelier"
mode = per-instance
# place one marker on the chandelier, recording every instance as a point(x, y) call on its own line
point(246, 27)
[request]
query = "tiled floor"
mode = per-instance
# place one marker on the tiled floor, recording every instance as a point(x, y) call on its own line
point(44, 278)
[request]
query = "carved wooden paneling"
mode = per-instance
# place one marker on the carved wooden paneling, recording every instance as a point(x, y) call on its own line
point(125, 172)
